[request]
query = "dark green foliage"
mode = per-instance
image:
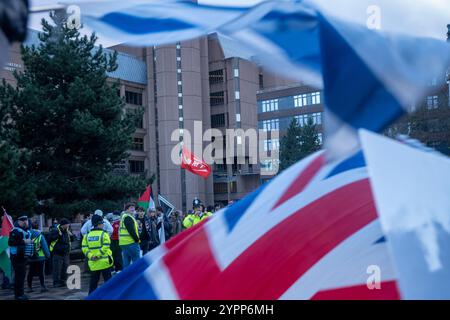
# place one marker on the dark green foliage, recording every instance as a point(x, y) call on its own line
point(298, 143)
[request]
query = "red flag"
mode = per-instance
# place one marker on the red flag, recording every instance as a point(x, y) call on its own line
point(193, 164)
point(7, 224)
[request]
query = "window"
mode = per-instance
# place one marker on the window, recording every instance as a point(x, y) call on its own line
point(216, 98)
point(316, 117)
point(216, 77)
point(237, 95)
point(272, 124)
point(218, 120)
point(432, 102)
point(307, 99)
point(261, 81)
point(270, 145)
point(221, 188)
point(138, 144)
point(236, 73)
point(270, 164)
point(269, 105)
point(320, 136)
point(133, 98)
point(136, 166)
point(11, 66)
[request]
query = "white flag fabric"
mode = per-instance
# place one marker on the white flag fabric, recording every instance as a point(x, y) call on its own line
point(411, 189)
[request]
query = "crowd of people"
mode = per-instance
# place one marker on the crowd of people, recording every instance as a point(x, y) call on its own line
point(109, 243)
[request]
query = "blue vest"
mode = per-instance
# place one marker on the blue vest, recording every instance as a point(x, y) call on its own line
point(29, 248)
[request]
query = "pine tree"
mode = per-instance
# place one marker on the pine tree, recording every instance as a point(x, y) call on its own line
point(17, 189)
point(309, 139)
point(71, 122)
point(290, 148)
point(298, 143)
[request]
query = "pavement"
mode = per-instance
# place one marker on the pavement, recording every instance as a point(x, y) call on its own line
point(63, 293)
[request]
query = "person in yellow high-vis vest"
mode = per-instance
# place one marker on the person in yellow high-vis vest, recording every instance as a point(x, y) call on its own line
point(38, 260)
point(96, 248)
point(191, 219)
point(129, 236)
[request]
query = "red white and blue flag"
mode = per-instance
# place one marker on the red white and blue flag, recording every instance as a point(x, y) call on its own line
point(311, 233)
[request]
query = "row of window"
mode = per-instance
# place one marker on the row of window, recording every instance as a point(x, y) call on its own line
point(307, 99)
point(134, 98)
point(303, 119)
point(269, 105)
point(272, 144)
point(138, 144)
point(218, 120)
point(270, 164)
point(221, 187)
point(301, 100)
point(217, 98)
point(432, 102)
point(136, 166)
point(272, 124)
point(216, 77)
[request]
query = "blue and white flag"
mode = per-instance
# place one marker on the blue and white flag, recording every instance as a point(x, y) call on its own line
point(369, 78)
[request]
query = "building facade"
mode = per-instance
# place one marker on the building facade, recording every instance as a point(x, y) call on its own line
point(211, 81)
point(198, 81)
point(278, 106)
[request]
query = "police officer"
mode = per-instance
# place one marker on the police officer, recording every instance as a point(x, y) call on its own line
point(96, 248)
point(21, 249)
point(190, 220)
point(206, 213)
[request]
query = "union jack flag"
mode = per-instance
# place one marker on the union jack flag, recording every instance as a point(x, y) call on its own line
point(311, 233)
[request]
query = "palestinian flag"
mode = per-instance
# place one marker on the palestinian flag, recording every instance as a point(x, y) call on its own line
point(145, 200)
point(7, 226)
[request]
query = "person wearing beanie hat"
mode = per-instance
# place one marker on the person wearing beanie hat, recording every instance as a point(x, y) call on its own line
point(115, 247)
point(88, 226)
point(96, 248)
point(96, 221)
point(60, 246)
point(98, 212)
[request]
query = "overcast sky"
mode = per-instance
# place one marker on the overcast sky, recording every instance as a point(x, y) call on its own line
point(418, 17)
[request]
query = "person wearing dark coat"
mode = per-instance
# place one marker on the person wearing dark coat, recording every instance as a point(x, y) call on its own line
point(60, 247)
point(153, 229)
point(21, 250)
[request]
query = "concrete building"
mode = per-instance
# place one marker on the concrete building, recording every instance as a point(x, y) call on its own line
point(278, 105)
point(210, 79)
